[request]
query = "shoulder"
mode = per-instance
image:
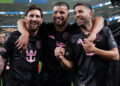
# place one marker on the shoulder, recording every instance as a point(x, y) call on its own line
point(72, 27)
point(45, 24)
point(12, 35)
point(105, 30)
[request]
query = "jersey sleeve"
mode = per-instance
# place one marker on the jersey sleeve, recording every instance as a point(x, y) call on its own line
point(111, 41)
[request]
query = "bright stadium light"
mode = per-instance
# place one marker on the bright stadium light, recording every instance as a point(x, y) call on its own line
point(30, 1)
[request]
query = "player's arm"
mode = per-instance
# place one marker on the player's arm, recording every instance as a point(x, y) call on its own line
point(111, 54)
point(98, 23)
point(23, 39)
point(65, 63)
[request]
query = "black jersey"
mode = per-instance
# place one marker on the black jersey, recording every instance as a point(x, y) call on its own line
point(51, 68)
point(91, 70)
point(23, 65)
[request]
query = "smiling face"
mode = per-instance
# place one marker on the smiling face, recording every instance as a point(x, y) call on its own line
point(60, 15)
point(33, 20)
point(82, 15)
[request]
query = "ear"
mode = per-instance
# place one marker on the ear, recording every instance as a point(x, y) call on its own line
point(25, 19)
point(91, 13)
point(41, 20)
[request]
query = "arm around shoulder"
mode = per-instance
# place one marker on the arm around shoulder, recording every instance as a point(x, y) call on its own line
point(98, 23)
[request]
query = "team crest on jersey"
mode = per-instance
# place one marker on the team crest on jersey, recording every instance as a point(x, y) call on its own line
point(98, 38)
point(38, 44)
point(60, 44)
point(51, 36)
point(31, 56)
point(65, 35)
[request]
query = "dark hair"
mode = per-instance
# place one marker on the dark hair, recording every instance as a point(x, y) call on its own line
point(61, 4)
point(87, 5)
point(33, 7)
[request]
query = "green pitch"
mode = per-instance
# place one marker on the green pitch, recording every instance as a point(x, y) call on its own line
point(6, 1)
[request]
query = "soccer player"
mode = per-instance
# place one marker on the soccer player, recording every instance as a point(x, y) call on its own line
point(24, 65)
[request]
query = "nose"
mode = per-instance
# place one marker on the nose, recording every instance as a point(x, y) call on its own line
point(58, 14)
point(34, 18)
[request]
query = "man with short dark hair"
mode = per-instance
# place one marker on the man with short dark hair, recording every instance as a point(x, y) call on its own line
point(90, 61)
point(24, 65)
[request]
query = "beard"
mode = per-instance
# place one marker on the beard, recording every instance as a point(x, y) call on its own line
point(32, 29)
point(59, 22)
point(60, 25)
point(83, 22)
point(33, 26)
point(1, 44)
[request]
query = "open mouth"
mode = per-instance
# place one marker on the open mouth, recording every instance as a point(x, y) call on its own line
point(34, 24)
point(79, 20)
point(58, 20)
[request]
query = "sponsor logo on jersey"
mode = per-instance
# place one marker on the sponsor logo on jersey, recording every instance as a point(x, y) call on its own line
point(65, 35)
point(60, 44)
point(51, 36)
point(31, 56)
point(98, 38)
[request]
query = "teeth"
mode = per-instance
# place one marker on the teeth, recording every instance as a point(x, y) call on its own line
point(34, 23)
point(79, 19)
point(58, 19)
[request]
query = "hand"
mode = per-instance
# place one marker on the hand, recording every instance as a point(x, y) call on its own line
point(59, 52)
point(91, 37)
point(22, 42)
point(88, 46)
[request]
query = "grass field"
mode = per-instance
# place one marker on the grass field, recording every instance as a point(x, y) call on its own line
point(6, 1)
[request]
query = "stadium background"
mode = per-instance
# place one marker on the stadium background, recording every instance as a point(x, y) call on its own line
point(12, 10)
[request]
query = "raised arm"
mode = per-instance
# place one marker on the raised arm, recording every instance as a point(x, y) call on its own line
point(98, 23)
point(22, 27)
point(22, 42)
